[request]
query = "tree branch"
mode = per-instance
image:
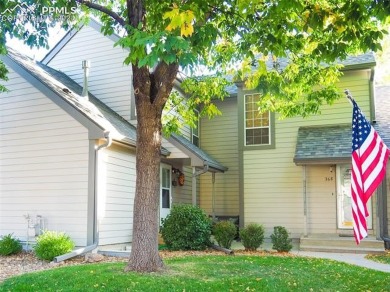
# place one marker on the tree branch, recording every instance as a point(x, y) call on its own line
point(103, 9)
point(162, 82)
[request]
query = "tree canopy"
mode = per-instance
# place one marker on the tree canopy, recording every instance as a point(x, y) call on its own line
point(248, 40)
point(234, 38)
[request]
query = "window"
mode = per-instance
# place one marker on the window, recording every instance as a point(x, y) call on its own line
point(257, 125)
point(195, 130)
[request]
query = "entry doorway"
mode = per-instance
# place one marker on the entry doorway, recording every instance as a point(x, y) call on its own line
point(344, 209)
point(165, 190)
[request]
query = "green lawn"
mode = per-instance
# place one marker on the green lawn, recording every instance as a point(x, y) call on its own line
point(380, 258)
point(209, 273)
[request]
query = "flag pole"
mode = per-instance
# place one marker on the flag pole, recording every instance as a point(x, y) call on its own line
point(349, 96)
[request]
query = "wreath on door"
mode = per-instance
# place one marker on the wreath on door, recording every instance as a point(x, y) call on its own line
point(181, 179)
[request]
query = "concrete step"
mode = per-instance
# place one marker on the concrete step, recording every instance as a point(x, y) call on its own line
point(341, 244)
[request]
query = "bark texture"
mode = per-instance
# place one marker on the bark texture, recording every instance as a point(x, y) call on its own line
point(151, 93)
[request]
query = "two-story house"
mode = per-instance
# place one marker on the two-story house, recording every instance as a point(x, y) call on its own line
point(67, 157)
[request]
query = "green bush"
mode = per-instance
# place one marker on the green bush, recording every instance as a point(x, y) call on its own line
point(224, 233)
point(51, 244)
point(186, 228)
point(9, 245)
point(280, 240)
point(252, 236)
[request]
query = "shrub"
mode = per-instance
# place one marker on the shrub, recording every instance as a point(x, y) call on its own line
point(9, 245)
point(51, 244)
point(252, 236)
point(186, 228)
point(280, 240)
point(224, 233)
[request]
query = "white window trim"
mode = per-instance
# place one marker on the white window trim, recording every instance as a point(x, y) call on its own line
point(249, 128)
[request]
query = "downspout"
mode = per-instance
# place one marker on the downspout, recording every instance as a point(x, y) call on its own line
point(194, 175)
point(304, 185)
point(382, 210)
point(95, 225)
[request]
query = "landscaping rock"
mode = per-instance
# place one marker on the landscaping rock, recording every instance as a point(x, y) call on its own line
point(93, 258)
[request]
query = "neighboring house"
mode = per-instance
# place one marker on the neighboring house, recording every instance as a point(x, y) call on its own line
point(295, 172)
point(68, 160)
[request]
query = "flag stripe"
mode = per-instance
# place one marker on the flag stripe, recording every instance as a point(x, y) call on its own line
point(369, 159)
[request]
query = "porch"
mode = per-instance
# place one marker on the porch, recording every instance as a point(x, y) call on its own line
point(342, 244)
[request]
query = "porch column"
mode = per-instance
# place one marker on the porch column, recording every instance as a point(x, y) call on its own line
point(193, 186)
point(213, 193)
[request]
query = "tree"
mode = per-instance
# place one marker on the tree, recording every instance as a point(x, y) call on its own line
point(165, 36)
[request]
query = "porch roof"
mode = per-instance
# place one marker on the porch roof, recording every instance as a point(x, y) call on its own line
point(323, 145)
point(198, 157)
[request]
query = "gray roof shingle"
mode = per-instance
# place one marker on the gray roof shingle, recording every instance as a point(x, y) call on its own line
point(202, 155)
point(366, 60)
point(323, 144)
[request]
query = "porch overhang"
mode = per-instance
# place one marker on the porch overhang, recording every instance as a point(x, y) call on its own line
point(323, 145)
point(198, 157)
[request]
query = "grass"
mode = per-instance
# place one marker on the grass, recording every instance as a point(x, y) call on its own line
point(209, 273)
point(380, 258)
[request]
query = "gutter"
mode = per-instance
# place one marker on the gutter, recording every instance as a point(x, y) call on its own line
point(95, 243)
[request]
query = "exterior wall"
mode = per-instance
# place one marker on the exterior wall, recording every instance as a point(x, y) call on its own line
point(109, 80)
point(183, 194)
point(219, 138)
point(272, 183)
point(43, 165)
point(116, 192)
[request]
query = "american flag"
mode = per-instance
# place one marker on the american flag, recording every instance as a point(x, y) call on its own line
point(369, 159)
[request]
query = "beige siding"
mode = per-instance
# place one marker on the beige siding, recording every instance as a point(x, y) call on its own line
point(183, 194)
point(109, 80)
point(273, 183)
point(43, 164)
point(219, 138)
point(116, 195)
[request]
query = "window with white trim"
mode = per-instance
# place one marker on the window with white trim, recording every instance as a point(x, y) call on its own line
point(257, 125)
point(195, 130)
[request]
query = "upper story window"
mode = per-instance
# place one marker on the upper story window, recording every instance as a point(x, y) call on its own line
point(257, 125)
point(195, 130)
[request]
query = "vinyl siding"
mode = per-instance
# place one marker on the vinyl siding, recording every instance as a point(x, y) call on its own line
point(273, 183)
point(183, 194)
point(219, 138)
point(116, 195)
point(43, 164)
point(109, 80)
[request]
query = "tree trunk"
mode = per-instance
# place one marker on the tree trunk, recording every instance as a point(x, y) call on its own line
point(144, 252)
point(151, 93)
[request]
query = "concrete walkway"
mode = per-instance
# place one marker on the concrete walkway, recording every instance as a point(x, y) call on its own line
point(350, 258)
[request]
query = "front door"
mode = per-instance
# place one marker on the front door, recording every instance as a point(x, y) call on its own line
point(165, 190)
point(344, 209)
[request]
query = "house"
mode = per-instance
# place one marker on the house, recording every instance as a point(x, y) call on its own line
point(295, 172)
point(67, 158)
